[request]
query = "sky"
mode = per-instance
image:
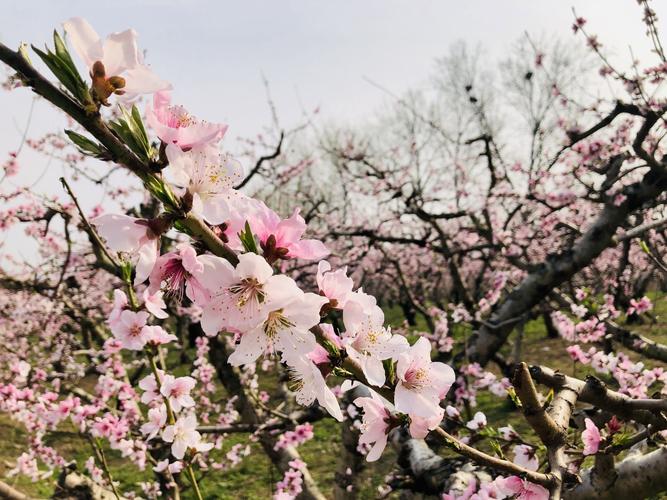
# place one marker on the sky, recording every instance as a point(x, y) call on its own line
point(314, 53)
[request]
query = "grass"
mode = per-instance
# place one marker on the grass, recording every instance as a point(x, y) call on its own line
point(255, 476)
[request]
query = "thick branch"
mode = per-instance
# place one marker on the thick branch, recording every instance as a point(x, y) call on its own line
point(593, 391)
point(638, 476)
point(560, 267)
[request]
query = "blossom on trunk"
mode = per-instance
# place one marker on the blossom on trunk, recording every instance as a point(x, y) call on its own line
point(289, 314)
point(116, 65)
point(591, 438)
point(421, 383)
point(174, 125)
point(374, 426)
point(209, 177)
point(183, 436)
point(177, 273)
point(366, 340)
point(132, 236)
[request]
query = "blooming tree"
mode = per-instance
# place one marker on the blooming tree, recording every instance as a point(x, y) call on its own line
point(152, 329)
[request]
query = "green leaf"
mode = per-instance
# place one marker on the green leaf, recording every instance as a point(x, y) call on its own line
point(621, 438)
point(489, 432)
point(136, 116)
point(248, 239)
point(513, 396)
point(88, 147)
point(126, 272)
point(495, 446)
point(130, 128)
point(549, 398)
point(63, 68)
point(23, 50)
point(162, 192)
point(342, 372)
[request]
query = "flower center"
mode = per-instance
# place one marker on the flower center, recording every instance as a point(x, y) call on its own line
point(276, 322)
point(416, 378)
point(135, 330)
point(174, 278)
point(179, 117)
point(248, 290)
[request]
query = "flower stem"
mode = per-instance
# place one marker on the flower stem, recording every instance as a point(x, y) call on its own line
point(105, 466)
point(193, 480)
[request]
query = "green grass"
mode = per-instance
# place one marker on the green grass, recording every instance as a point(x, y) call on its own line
point(255, 476)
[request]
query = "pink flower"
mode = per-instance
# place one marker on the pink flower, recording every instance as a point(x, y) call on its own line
point(640, 306)
point(488, 491)
point(156, 335)
point(150, 387)
point(209, 177)
point(310, 384)
point(591, 438)
point(173, 467)
point(239, 295)
point(157, 417)
point(116, 64)
point(177, 391)
point(421, 383)
point(526, 457)
point(177, 273)
point(174, 125)
point(374, 427)
point(183, 435)
point(508, 433)
point(154, 304)
point(334, 285)
point(289, 314)
point(524, 490)
point(130, 330)
point(577, 354)
point(420, 427)
point(452, 412)
point(366, 340)
point(281, 239)
point(478, 422)
point(119, 304)
point(129, 235)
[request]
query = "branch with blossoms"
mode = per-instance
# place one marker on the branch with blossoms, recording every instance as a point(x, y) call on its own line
point(238, 292)
point(209, 261)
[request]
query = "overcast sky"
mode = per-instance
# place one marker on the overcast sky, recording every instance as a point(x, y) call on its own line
point(314, 53)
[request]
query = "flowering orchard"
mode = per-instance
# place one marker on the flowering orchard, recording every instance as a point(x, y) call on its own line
point(186, 332)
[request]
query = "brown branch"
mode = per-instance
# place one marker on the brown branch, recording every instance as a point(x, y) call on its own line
point(258, 165)
point(593, 391)
point(10, 493)
point(549, 424)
